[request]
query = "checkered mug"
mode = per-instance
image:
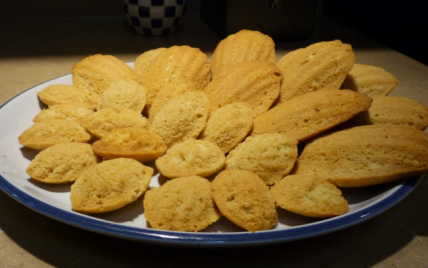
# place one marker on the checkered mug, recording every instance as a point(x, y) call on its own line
point(154, 17)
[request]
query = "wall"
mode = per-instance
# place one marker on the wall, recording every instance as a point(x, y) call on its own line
point(48, 9)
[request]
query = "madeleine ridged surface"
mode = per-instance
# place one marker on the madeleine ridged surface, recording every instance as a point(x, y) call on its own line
point(183, 204)
point(245, 45)
point(176, 62)
point(370, 80)
point(95, 73)
point(320, 65)
point(256, 83)
point(389, 110)
point(144, 59)
point(244, 199)
point(365, 155)
point(308, 115)
point(309, 196)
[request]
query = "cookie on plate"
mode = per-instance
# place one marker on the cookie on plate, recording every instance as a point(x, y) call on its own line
point(309, 196)
point(365, 155)
point(370, 80)
point(95, 73)
point(136, 143)
point(105, 120)
point(228, 125)
point(64, 111)
point(311, 114)
point(183, 204)
point(245, 45)
point(62, 162)
point(59, 94)
point(191, 157)
point(389, 110)
point(271, 156)
point(183, 117)
point(123, 94)
point(109, 185)
point(255, 82)
point(318, 66)
point(175, 63)
point(170, 90)
point(144, 59)
point(49, 132)
point(243, 198)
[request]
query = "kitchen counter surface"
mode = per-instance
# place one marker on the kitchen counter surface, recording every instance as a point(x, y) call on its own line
point(34, 51)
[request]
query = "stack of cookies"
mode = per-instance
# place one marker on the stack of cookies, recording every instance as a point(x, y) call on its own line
point(239, 135)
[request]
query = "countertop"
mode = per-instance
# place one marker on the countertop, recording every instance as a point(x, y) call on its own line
point(36, 50)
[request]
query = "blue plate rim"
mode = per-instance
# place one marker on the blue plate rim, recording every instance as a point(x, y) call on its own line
point(212, 239)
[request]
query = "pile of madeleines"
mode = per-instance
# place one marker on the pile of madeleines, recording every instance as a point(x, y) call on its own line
point(240, 135)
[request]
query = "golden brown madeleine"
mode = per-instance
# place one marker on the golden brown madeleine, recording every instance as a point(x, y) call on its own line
point(370, 80)
point(191, 157)
point(109, 185)
point(105, 120)
point(66, 94)
point(49, 132)
point(123, 94)
point(175, 63)
point(170, 90)
point(95, 73)
point(255, 82)
point(309, 196)
point(183, 117)
point(389, 110)
point(244, 199)
point(183, 204)
point(365, 155)
point(62, 162)
point(271, 156)
point(229, 125)
point(245, 45)
point(308, 115)
point(63, 111)
point(143, 60)
point(136, 143)
point(318, 66)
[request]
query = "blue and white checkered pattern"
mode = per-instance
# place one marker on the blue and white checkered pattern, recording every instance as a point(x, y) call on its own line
point(154, 17)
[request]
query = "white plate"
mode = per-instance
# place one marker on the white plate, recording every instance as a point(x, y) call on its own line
point(129, 223)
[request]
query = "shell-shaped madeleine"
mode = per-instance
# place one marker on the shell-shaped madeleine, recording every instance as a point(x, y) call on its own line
point(175, 63)
point(311, 114)
point(320, 65)
point(67, 94)
point(144, 59)
point(95, 73)
point(245, 45)
point(256, 83)
point(393, 110)
point(370, 80)
point(366, 155)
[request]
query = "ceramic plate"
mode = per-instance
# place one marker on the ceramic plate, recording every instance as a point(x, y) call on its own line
point(129, 223)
